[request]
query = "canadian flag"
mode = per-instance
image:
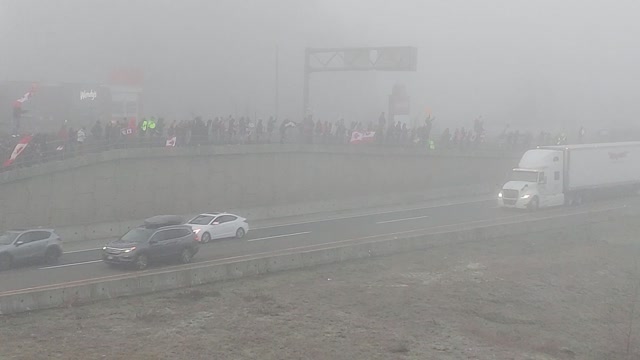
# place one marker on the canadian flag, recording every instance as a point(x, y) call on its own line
point(363, 138)
point(18, 103)
point(171, 142)
point(18, 149)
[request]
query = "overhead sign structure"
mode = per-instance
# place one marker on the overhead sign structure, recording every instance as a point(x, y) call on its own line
point(395, 58)
point(362, 59)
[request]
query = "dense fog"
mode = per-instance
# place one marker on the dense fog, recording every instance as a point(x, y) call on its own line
point(533, 64)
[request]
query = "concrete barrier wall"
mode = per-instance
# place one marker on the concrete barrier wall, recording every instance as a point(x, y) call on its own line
point(579, 225)
point(130, 184)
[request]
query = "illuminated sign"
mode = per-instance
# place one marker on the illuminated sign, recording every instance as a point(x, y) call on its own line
point(92, 94)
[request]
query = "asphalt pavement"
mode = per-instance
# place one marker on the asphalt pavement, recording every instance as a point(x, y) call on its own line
point(81, 260)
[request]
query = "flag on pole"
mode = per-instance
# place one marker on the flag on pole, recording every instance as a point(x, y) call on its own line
point(363, 138)
point(22, 144)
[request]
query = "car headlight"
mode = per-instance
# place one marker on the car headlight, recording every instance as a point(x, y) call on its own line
point(104, 248)
point(130, 250)
point(196, 231)
point(526, 196)
point(500, 194)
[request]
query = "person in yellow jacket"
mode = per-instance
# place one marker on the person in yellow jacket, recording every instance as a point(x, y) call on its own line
point(151, 126)
point(147, 126)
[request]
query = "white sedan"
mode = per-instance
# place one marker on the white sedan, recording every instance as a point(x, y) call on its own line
point(218, 226)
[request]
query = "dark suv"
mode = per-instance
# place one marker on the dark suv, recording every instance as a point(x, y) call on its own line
point(160, 238)
point(18, 246)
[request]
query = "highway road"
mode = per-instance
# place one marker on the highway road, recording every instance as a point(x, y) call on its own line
point(81, 260)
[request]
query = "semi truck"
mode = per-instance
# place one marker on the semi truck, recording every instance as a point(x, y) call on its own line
point(570, 174)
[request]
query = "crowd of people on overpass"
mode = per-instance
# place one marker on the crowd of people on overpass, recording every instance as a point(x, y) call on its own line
point(157, 132)
point(151, 132)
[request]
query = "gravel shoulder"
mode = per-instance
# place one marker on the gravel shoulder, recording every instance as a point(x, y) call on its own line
point(547, 298)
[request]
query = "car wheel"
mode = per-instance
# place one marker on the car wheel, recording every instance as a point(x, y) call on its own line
point(52, 255)
point(5, 262)
point(186, 256)
point(142, 262)
point(534, 205)
point(240, 233)
point(205, 238)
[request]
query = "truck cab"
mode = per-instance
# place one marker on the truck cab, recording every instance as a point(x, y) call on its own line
point(536, 182)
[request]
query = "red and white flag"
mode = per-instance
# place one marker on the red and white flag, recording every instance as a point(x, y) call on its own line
point(18, 103)
point(363, 138)
point(18, 149)
point(171, 142)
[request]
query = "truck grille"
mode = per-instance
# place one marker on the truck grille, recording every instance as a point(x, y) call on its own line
point(510, 194)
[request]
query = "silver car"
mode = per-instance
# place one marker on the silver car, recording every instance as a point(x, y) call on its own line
point(19, 246)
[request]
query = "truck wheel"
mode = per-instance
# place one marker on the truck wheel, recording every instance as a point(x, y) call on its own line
point(534, 205)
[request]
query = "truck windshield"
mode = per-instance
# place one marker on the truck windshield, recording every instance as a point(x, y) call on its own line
point(528, 176)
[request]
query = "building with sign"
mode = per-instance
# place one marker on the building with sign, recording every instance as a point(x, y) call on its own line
point(80, 104)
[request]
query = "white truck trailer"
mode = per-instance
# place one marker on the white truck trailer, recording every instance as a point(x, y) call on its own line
point(568, 174)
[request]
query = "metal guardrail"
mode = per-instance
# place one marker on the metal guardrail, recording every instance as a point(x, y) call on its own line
point(43, 152)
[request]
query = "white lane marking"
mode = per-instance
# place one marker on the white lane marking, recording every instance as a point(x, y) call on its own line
point(340, 218)
point(533, 217)
point(72, 264)
point(405, 219)
point(280, 236)
point(275, 252)
point(371, 214)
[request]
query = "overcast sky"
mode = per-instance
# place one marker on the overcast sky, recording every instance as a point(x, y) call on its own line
point(529, 63)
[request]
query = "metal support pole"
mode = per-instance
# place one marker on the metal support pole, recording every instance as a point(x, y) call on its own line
point(277, 81)
point(305, 101)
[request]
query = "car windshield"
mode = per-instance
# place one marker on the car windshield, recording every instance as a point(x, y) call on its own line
point(201, 220)
point(8, 238)
point(136, 235)
point(528, 176)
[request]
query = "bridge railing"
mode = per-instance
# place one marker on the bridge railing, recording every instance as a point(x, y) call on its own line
point(40, 150)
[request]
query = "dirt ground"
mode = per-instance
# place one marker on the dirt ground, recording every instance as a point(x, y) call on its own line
point(504, 299)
